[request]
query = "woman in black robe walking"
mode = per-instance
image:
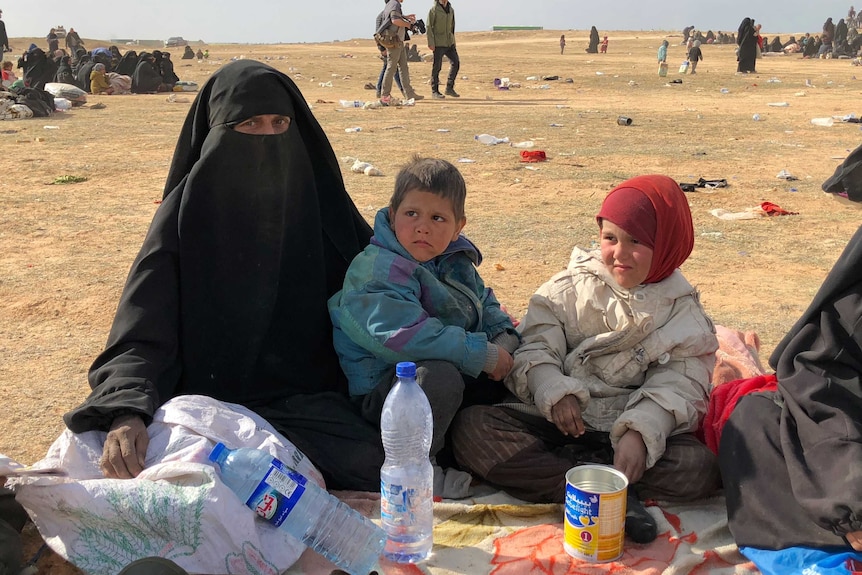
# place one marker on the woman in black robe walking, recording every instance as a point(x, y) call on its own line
point(593, 47)
point(746, 39)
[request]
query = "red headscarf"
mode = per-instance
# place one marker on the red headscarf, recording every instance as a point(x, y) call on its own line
point(654, 210)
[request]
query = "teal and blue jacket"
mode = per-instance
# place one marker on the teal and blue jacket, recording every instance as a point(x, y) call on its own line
point(393, 308)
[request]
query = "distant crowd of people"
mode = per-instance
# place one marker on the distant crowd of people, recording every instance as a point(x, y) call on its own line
point(97, 71)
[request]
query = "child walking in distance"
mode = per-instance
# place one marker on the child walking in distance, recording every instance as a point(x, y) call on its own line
point(415, 295)
point(614, 367)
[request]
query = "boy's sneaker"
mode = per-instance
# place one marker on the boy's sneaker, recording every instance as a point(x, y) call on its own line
point(640, 525)
point(418, 97)
point(386, 100)
point(452, 92)
point(437, 95)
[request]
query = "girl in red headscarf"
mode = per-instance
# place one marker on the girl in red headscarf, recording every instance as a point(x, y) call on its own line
point(614, 367)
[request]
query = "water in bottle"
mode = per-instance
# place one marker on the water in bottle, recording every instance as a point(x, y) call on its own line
point(286, 499)
point(407, 478)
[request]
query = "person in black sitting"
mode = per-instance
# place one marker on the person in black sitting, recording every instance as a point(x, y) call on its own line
point(166, 66)
point(146, 79)
point(188, 54)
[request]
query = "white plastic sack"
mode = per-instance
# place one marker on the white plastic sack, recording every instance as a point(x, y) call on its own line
point(72, 93)
point(177, 508)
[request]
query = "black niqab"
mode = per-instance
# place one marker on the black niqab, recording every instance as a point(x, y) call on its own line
point(128, 63)
point(227, 297)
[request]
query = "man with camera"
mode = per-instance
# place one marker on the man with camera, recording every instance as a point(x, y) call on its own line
point(441, 41)
point(395, 24)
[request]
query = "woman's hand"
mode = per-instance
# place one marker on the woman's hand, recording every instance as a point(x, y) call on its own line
point(125, 448)
point(566, 415)
point(630, 455)
point(855, 540)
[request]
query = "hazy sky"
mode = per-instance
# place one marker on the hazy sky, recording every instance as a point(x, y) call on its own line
point(271, 21)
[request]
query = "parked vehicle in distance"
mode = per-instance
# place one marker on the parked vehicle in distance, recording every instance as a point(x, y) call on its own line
point(174, 41)
point(60, 32)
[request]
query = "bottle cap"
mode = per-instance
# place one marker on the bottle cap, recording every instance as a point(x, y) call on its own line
point(405, 369)
point(216, 452)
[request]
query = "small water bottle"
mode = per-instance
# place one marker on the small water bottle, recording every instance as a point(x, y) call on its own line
point(524, 144)
point(284, 497)
point(487, 139)
point(353, 129)
point(407, 478)
point(351, 103)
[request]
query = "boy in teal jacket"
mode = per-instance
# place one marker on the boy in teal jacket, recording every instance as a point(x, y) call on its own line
point(414, 294)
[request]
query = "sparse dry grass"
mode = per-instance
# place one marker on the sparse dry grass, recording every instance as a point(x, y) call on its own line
point(65, 250)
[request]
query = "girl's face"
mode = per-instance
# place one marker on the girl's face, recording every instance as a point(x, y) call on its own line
point(264, 125)
point(626, 259)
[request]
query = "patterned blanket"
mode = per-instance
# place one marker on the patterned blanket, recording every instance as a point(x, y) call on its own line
point(493, 533)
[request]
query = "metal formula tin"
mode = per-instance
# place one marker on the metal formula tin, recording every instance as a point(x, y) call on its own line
point(595, 512)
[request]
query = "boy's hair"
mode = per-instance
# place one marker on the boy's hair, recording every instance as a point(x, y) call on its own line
point(433, 175)
point(7, 64)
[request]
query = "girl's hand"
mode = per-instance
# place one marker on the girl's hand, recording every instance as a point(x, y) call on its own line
point(630, 455)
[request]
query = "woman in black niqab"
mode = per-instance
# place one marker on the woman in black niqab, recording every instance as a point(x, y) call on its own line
point(127, 64)
point(227, 297)
point(593, 47)
point(746, 39)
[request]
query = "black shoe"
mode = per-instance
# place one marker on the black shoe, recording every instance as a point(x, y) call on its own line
point(437, 95)
point(640, 525)
point(452, 92)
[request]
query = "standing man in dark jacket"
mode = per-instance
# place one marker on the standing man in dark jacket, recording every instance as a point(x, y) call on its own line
point(4, 39)
point(441, 41)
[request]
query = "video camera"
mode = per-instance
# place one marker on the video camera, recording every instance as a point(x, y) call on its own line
point(418, 27)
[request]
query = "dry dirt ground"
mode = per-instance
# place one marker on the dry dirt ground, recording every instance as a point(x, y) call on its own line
point(65, 249)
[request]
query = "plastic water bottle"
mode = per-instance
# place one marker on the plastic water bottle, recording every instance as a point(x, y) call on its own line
point(353, 129)
point(490, 140)
point(524, 144)
point(351, 103)
point(287, 500)
point(407, 478)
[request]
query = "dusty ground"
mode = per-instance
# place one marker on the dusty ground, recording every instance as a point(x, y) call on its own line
point(65, 249)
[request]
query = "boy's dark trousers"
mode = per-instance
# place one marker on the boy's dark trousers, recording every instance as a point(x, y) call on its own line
point(12, 520)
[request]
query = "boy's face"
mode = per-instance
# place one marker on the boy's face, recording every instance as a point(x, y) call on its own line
point(425, 224)
point(627, 260)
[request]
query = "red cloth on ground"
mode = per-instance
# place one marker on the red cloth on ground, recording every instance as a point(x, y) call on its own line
point(775, 210)
point(533, 156)
point(723, 399)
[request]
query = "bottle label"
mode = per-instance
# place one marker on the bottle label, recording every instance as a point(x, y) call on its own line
point(276, 496)
point(398, 504)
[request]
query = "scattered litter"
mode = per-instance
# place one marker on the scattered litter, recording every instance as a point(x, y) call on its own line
point(353, 129)
point(369, 86)
point(530, 78)
point(372, 171)
point(359, 166)
point(399, 127)
point(466, 161)
point(51, 127)
point(773, 80)
point(724, 91)
point(490, 140)
point(499, 268)
point(550, 78)
point(702, 183)
point(785, 175)
point(799, 94)
point(778, 104)
point(173, 99)
point(533, 156)
point(99, 106)
point(675, 81)
point(68, 179)
point(562, 106)
point(556, 125)
point(325, 84)
point(62, 104)
point(624, 121)
point(524, 144)
point(600, 73)
point(793, 190)
point(822, 121)
point(544, 87)
point(764, 209)
point(372, 105)
point(502, 83)
point(532, 168)
point(351, 103)
point(710, 234)
point(808, 83)
point(756, 117)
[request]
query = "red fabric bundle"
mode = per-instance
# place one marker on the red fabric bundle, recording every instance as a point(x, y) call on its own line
point(723, 399)
point(533, 156)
